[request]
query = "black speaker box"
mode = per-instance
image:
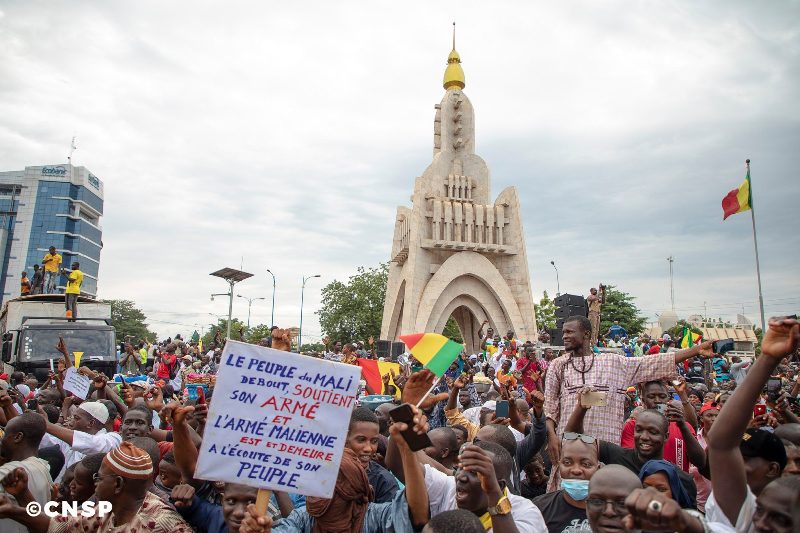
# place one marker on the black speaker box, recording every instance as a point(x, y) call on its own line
point(570, 310)
point(556, 338)
point(398, 347)
point(569, 300)
point(383, 349)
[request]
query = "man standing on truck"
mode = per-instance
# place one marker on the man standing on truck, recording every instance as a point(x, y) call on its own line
point(52, 265)
point(24, 285)
point(37, 281)
point(74, 281)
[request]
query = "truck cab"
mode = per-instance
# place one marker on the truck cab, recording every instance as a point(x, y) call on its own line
point(31, 326)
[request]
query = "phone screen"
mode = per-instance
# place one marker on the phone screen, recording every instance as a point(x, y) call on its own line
point(501, 409)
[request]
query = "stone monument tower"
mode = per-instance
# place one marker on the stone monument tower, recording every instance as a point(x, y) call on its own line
point(455, 253)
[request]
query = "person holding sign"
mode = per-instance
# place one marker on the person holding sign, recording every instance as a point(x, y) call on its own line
point(350, 509)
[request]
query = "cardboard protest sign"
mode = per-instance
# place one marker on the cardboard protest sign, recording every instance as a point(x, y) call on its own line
point(76, 383)
point(278, 420)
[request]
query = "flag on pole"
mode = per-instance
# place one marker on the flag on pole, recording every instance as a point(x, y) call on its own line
point(689, 339)
point(738, 200)
point(436, 352)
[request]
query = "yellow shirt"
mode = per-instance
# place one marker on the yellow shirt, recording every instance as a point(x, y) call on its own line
point(74, 282)
point(52, 266)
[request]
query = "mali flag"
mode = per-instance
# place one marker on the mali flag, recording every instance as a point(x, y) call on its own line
point(436, 352)
point(373, 372)
point(738, 200)
point(689, 339)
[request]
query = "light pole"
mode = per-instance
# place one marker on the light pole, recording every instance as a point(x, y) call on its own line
point(671, 283)
point(558, 283)
point(232, 277)
point(249, 304)
point(272, 319)
point(302, 297)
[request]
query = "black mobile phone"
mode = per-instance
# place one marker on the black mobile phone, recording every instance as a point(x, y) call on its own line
point(501, 409)
point(722, 346)
point(773, 389)
point(415, 441)
point(33, 404)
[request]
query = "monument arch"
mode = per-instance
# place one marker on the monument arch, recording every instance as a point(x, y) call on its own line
point(455, 252)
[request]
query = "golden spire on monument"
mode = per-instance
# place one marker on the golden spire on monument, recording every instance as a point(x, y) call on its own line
point(454, 74)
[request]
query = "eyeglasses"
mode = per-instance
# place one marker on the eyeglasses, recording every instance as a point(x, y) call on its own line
point(588, 439)
point(600, 505)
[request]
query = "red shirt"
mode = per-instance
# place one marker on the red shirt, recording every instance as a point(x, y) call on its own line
point(527, 378)
point(168, 362)
point(674, 448)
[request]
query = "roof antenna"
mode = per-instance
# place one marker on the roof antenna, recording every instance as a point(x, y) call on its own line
point(72, 148)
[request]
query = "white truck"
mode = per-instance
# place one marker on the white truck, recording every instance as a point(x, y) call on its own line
point(31, 326)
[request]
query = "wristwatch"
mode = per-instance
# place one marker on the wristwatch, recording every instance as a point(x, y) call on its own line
point(502, 508)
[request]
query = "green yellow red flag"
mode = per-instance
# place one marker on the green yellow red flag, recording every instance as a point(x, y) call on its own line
point(436, 352)
point(738, 200)
point(689, 339)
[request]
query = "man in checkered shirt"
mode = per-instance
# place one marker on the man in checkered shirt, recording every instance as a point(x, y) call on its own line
point(606, 372)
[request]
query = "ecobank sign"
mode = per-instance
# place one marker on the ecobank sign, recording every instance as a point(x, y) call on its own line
point(54, 171)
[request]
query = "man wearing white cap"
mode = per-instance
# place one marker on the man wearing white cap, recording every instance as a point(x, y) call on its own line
point(87, 436)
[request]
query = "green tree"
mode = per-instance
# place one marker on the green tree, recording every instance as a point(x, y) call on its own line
point(451, 330)
point(353, 311)
point(545, 313)
point(238, 331)
point(129, 321)
point(313, 347)
point(619, 307)
point(256, 334)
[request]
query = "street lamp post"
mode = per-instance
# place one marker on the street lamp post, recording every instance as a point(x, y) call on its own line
point(249, 304)
point(302, 297)
point(232, 277)
point(558, 283)
point(272, 319)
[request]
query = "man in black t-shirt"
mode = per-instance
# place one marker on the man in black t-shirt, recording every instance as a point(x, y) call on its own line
point(649, 436)
point(564, 510)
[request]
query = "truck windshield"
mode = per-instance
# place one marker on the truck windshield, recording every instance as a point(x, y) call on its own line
point(40, 343)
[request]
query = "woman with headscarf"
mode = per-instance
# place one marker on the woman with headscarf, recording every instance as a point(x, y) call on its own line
point(663, 476)
point(350, 510)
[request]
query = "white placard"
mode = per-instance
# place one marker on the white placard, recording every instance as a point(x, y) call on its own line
point(277, 420)
point(76, 383)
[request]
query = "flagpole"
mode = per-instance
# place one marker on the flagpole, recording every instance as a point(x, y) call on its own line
point(755, 245)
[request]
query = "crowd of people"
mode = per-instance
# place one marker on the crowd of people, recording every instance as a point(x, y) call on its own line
point(522, 438)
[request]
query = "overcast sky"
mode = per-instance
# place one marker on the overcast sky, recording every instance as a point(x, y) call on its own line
point(285, 134)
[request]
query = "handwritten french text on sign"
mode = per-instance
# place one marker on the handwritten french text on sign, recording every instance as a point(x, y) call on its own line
point(278, 420)
point(76, 383)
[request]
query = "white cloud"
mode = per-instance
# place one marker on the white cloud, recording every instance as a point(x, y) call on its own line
point(288, 135)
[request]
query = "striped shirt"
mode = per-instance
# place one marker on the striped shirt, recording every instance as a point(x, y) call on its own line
point(610, 373)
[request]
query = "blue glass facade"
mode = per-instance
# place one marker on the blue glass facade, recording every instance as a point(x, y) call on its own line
point(54, 224)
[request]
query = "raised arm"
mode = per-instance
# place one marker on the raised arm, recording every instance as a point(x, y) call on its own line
point(729, 480)
point(575, 422)
point(696, 453)
point(184, 450)
point(688, 411)
point(416, 493)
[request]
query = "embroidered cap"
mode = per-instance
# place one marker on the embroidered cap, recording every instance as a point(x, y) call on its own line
point(130, 462)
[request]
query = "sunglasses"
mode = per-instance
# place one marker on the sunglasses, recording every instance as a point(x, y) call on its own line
point(588, 439)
